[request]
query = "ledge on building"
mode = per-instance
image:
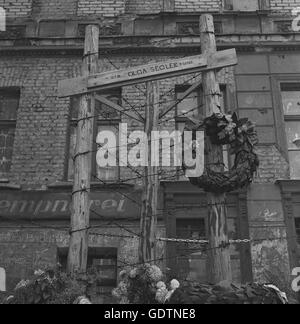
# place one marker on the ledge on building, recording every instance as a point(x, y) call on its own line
point(68, 185)
point(287, 185)
point(4, 184)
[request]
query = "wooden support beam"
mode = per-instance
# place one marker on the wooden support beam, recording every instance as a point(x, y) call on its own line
point(150, 182)
point(219, 263)
point(78, 249)
point(185, 94)
point(148, 72)
point(119, 108)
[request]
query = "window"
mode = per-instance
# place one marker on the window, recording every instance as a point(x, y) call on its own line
point(103, 261)
point(246, 5)
point(191, 263)
point(108, 119)
point(193, 107)
point(290, 93)
point(9, 104)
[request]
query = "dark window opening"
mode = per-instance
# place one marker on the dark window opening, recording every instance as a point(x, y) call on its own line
point(9, 104)
point(104, 262)
point(191, 261)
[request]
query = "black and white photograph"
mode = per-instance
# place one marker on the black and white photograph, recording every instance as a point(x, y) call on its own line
point(149, 155)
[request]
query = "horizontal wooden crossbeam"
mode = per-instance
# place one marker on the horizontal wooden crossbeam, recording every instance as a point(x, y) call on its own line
point(148, 72)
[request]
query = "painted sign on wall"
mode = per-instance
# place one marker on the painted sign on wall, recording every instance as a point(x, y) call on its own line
point(48, 205)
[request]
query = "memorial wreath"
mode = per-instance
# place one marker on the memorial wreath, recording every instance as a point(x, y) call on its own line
point(241, 137)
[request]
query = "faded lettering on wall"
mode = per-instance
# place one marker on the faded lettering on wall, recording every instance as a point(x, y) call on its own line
point(52, 205)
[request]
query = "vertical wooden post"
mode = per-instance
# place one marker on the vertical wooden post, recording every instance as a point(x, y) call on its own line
point(219, 264)
point(78, 250)
point(151, 181)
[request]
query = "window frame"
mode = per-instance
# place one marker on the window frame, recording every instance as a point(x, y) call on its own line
point(95, 253)
point(228, 101)
point(10, 123)
point(99, 122)
point(280, 117)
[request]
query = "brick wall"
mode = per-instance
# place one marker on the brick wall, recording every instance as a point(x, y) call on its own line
point(54, 8)
point(17, 8)
point(106, 8)
point(41, 136)
point(22, 251)
point(143, 6)
point(284, 5)
point(197, 5)
point(40, 139)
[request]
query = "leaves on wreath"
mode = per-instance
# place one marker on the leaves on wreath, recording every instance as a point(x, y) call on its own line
point(242, 138)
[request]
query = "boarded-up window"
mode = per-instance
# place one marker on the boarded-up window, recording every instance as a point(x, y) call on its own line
point(290, 93)
point(9, 103)
point(106, 119)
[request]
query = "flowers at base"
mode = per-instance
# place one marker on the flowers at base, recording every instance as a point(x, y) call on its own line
point(144, 285)
point(161, 285)
point(133, 273)
point(161, 295)
point(154, 273)
point(174, 284)
point(39, 273)
point(22, 284)
point(82, 300)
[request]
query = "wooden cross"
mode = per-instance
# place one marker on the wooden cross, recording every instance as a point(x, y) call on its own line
point(208, 63)
point(144, 73)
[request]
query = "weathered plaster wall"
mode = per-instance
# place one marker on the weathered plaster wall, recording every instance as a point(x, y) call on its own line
point(22, 251)
point(270, 256)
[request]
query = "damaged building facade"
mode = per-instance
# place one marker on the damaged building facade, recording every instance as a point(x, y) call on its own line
point(43, 44)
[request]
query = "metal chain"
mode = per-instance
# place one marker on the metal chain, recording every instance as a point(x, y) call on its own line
point(183, 241)
point(239, 241)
